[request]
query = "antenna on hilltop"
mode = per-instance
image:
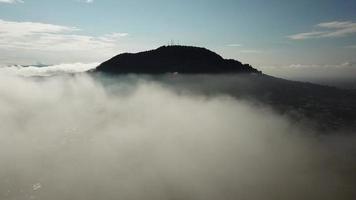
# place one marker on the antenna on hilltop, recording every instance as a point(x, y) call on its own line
point(173, 43)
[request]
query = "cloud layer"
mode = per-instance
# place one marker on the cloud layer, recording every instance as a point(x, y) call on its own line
point(60, 69)
point(340, 75)
point(79, 137)
point(332, 29)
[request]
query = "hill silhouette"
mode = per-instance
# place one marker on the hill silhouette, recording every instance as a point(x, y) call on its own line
point(174, 59)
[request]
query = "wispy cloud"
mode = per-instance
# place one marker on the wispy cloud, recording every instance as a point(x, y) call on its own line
point(86, 1)
point(324, 66)
point(332, 29)
point(250, 51)
point(11, 1)
point(308, 35)
point(112, 37)
point(234, 45)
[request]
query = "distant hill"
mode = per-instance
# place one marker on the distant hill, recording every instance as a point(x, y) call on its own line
point(174, 59)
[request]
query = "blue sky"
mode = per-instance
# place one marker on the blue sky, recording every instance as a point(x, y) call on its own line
point(260, 32)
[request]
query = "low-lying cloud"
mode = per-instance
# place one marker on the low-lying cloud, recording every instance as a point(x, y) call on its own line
point(128, 137)
point(341, 75)
point(60, 69)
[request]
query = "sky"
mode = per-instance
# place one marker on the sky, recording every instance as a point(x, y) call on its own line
point(268, 34)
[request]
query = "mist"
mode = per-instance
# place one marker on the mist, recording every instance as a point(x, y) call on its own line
point(133, 137)
point(341, 75)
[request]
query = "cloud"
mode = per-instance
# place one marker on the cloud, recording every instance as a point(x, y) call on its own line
point(324, 66)
point(83, 137)
point(301, 36)
point(21, 29)
point(245, 51)
point(327, 74)
point(11, 1)
point(86, 1)
point(234, 45)
point(348, 64)
point(334, 29)
point(252, 51)
point(351, 47)
point(28, 71)
point(43, 37)
point(113, 36)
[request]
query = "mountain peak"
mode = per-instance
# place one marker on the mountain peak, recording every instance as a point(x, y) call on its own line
point(174, 58)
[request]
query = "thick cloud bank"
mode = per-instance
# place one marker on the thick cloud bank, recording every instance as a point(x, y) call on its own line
point(75, 137)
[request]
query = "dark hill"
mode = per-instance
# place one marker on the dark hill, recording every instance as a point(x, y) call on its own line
point(170, 59)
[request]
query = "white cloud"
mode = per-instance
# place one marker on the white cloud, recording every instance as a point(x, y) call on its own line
point(234, 45)
point(86, 1)
point(11, 1)
point(337, 24)
point(18, 29)
point(250, 51)
point(33, 36)
point(113, 36)
point(51, 70)
point(301, 36)
point(40, 36)
point(332, 29)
